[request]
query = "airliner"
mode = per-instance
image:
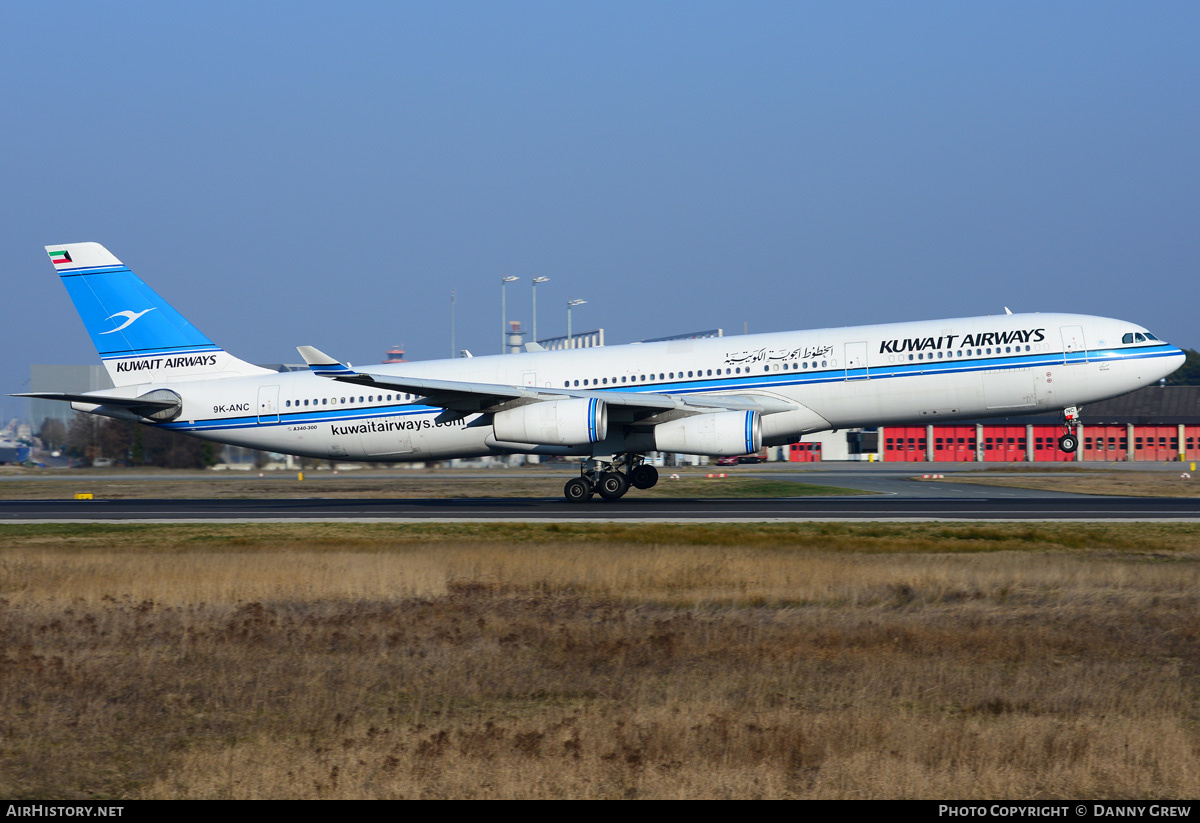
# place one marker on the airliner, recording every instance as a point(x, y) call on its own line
point(609, 406)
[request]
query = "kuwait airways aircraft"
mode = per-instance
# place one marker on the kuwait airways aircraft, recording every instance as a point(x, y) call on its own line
point(610, 406)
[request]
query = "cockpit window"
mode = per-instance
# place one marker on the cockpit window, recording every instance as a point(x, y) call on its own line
point(1139, 337)
point(1149, 336)
point(1127, 337)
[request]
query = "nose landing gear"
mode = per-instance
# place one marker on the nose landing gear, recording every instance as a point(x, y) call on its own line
point(1069, 441)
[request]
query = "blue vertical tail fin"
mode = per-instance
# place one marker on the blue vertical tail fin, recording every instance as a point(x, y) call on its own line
point(141, 338)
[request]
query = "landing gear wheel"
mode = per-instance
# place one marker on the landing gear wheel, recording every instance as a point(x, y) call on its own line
point(1068, 442)
point(643, 477)
point(578, 490)
point(613, 486)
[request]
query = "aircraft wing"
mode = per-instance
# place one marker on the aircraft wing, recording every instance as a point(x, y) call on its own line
point(468, 398)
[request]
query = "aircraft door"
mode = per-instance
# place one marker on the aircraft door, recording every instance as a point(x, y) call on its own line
point(856, 361)
point(268, 404)
point(530, 378)
point(1074, 348)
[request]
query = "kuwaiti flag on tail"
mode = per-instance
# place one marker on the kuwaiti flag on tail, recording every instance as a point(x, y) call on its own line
point(60, 257)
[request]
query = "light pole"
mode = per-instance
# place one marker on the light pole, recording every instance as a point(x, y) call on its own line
point(570, 305)
point(504, 281)
point(536, 280)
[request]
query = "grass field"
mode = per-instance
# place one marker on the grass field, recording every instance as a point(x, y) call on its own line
point(1126, 483)
point(510, 660)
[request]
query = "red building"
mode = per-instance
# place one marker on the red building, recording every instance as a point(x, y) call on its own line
point(1156, 423)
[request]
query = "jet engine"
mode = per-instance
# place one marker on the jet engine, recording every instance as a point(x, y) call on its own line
point(554, 422)
point(719, 433)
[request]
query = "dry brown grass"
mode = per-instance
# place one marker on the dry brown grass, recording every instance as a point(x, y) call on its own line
point(831, 660)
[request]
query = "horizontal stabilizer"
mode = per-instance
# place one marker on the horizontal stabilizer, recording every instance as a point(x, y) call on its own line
point(101, 399)
point(162, 405)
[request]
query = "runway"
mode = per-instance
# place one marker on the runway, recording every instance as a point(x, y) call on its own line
point(1079, 508)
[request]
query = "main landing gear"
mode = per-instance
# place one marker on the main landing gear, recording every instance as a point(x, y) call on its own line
point(610, 478)
point(1069, 442)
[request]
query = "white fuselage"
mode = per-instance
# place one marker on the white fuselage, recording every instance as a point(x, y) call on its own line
point(828, 378)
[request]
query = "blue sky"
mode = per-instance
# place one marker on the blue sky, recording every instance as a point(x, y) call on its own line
point(324, 174)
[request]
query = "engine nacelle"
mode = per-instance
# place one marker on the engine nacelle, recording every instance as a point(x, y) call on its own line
point(720, 434)
point(571, 422)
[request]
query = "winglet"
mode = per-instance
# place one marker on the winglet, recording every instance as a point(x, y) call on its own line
point(324, 365)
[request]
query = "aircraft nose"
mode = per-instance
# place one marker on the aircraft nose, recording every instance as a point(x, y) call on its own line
point(1174, 362)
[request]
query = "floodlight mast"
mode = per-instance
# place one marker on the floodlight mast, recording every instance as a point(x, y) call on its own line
point(570, 305)
point(504, 281)
point(536, 280)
